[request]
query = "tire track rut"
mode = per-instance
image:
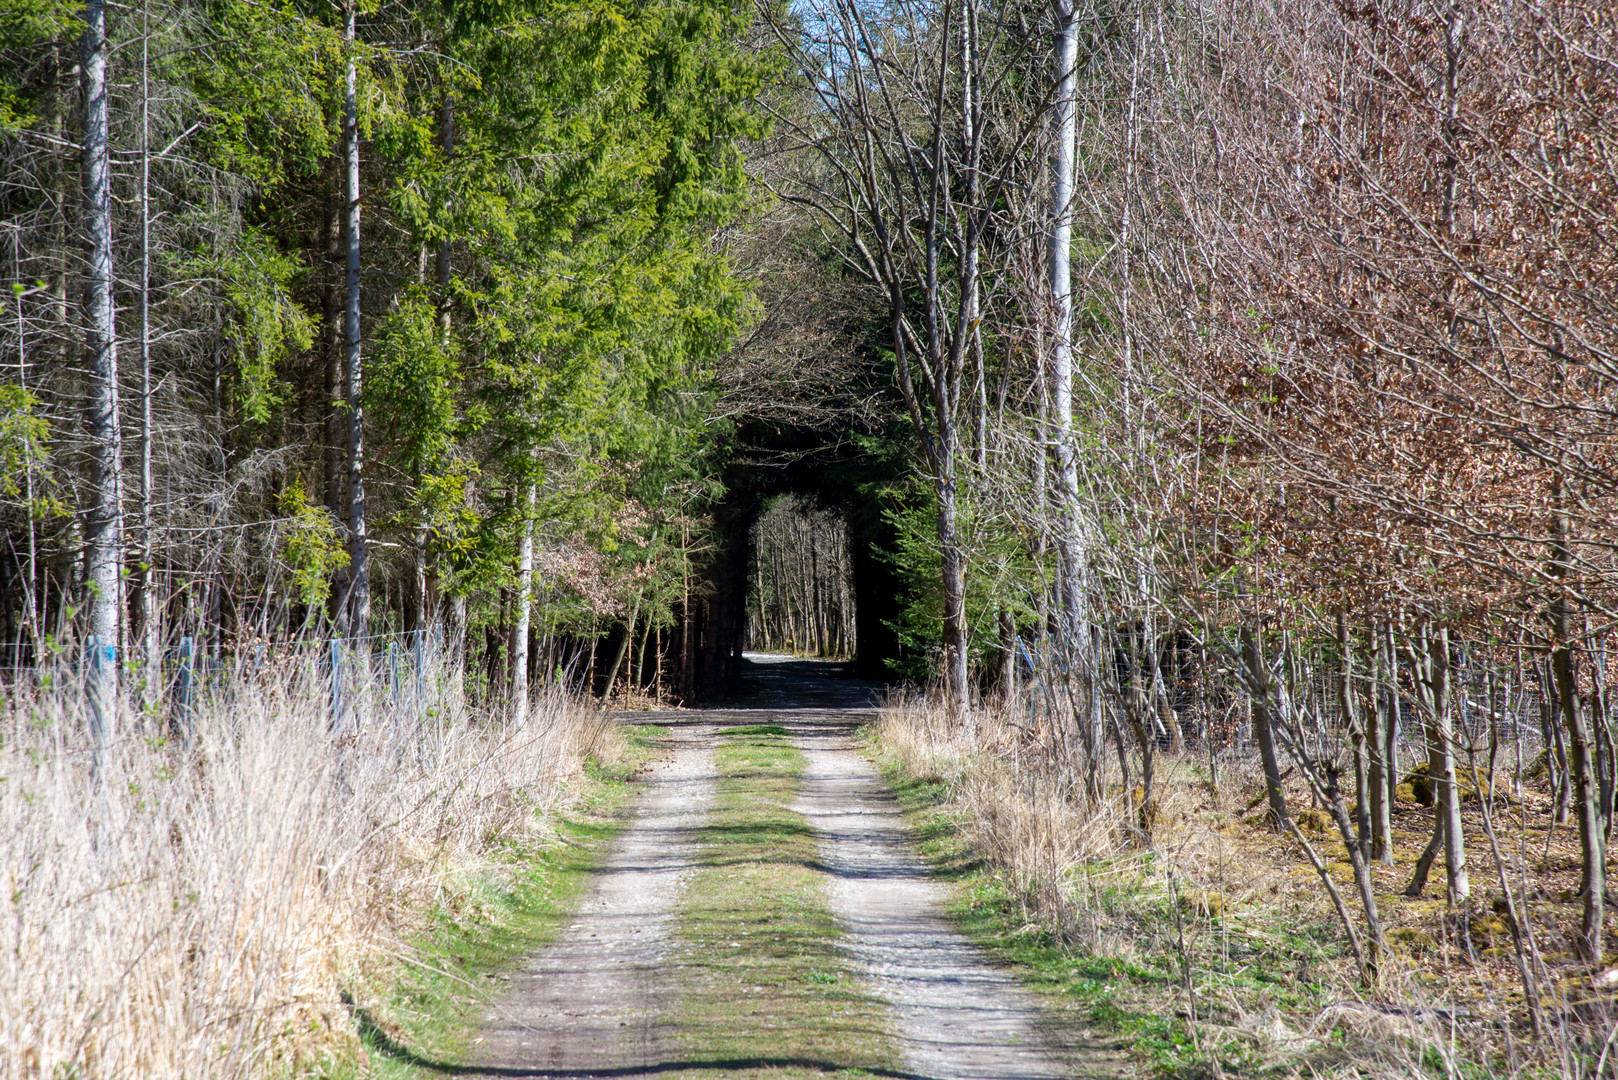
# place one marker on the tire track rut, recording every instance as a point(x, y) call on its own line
point(594, 1002)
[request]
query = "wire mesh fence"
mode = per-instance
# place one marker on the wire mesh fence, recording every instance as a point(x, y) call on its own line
point(406, 681)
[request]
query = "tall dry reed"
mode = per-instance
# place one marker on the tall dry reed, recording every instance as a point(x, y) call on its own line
point(197, 908)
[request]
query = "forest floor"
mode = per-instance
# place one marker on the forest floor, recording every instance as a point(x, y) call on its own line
point(1216, 951)
point(761, 911)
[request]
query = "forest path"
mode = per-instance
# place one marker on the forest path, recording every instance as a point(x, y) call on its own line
point(604, 999)
point(592, 1003)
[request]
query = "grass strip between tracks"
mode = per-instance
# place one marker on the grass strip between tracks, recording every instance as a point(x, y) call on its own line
point(764, 988)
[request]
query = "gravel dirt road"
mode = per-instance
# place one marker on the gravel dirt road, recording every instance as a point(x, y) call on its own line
point(600, 1001)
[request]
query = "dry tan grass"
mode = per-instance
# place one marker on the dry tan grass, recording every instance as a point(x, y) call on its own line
point(198, 910)
point(1218, 886)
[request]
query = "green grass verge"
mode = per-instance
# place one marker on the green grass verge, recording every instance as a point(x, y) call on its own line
point(427, 1015)
point(764, 988)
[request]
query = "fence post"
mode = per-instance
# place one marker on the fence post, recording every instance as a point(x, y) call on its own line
point(337, 685)
point(95, 692)
point(392, 659)
point(184, 688)
point(421, 676)
point(393, 672)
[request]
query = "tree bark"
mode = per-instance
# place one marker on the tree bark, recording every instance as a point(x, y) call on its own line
point(1059, 272)
point(334, 474)
point(623, 646)
point(104, 525)
point(443, 268)
point(1349, 704)
point(150, 631)
point(1592, 845)
point(1388, 689)
point(1429, 658)
point(422, 612)
point(954, 582)
point(359, 599)
point(1375, 707)
point(1259, 689)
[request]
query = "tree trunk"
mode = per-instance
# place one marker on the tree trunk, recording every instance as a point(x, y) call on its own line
point(623, 647)
point(1388, 688)
point(150, 631)
point(1349, 704)
point(419, 549)
point(1593, 886)
point(446, 139)
point(1258, 688)
point(954, 582)
point(1457, 885)
point(359, 599)
point(335, 473)
point(1375, 707)
point(104, 525)
point(1060, 280)
point(1429, 657)
point(520, 625)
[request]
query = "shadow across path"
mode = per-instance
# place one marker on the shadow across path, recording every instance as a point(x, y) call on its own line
point(772, 682)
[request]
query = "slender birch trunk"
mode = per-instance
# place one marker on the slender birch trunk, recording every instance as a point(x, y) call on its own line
point(1075, 636)
point(104, 527)
point(359, 599)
